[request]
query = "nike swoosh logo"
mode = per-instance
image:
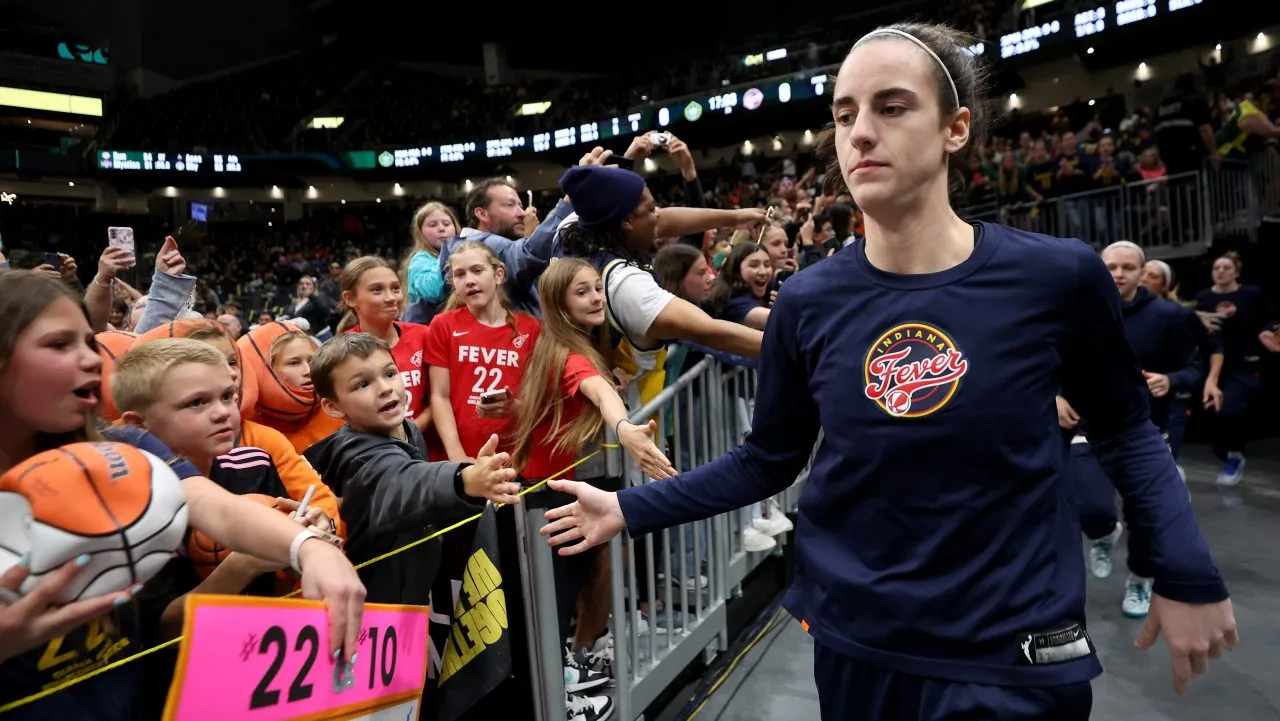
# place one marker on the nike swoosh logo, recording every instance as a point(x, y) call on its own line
point(457, 333)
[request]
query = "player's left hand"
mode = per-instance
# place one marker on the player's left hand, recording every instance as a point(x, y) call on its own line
point(1193, 632)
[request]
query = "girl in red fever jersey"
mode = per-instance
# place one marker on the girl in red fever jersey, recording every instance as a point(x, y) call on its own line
point(372, 292)
point(477, 351)
point(559, 417)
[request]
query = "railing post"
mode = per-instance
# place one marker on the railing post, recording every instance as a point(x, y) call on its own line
point(546, 666)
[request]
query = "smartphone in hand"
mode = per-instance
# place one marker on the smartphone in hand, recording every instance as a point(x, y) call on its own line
point(119, 237)
point(494, 396)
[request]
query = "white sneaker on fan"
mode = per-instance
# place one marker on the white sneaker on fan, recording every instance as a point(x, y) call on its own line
point(754, 541)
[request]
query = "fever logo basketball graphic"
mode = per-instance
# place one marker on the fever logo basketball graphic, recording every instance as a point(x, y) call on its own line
point(1226, 309)
point(913, 370)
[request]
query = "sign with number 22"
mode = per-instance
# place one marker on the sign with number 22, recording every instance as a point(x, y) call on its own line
point(266, 659)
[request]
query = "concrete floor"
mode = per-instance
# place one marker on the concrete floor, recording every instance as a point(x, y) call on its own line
point(775, 681)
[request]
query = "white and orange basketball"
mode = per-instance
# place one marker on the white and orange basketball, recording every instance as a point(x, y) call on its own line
point(120, 505)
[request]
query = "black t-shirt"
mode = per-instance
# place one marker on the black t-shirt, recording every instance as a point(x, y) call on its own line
point(1178, 122)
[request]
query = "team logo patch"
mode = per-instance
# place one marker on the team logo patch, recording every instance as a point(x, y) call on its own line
point(913, 370)
point(416, 359)
point(520, 339)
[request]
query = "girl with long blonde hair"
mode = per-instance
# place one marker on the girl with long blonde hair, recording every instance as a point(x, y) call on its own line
point(567, 395)
point(477, 350)
point(433, 224)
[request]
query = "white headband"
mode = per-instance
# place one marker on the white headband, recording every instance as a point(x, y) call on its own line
point(1128, 245)
point(920, 44)
point(1164, 270)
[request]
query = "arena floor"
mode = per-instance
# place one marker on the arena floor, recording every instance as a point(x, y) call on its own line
point(775, 680)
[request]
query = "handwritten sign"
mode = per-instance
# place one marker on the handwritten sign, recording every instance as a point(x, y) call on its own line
point(267, 659)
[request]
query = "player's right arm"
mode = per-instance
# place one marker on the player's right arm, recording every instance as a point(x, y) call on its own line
point(784, 428)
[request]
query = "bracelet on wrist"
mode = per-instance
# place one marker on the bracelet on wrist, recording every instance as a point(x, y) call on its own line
point(295, 548)
point(110, 282)
point(617, 428)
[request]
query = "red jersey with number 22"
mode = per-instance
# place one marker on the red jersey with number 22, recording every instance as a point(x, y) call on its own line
point(481, 359)
point(408, 355)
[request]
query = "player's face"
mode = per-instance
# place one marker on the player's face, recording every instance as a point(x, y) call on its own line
point(1153, 278)
point(376, 297)
point(370, 394)
point(1224, 271)
point(891, 140)
point(756, 271)
point(196, 412)
point(1126, 270)
point(585, 298)
point(475, 279)
point(50, 382)
point(292, 361)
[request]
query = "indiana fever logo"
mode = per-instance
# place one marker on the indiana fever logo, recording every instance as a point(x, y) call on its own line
point(913, 370)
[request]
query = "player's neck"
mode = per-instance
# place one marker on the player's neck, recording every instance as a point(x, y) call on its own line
point(928, 240)
point(1231, 287)
point(492, 315)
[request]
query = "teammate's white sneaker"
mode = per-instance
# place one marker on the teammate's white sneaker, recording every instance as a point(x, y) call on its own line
point(772, 525)
point(1137, 597)
point(1100, 563)
point(754, 541)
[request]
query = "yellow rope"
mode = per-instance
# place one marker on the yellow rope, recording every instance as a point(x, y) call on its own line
point(129, 659)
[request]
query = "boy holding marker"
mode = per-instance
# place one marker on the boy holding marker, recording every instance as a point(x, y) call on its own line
point(377, 464)
point(182, 392)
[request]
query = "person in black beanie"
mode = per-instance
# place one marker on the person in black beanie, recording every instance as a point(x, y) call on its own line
point(615, 226)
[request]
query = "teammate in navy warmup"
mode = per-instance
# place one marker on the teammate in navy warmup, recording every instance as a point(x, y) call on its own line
point(938, 550)
point(1163, 340)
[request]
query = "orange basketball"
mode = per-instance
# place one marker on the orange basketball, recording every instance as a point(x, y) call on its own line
point(120, 505)
point(206, 553)
point(111, 345)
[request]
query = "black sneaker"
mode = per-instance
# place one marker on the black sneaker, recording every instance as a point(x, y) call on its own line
point(580, 707)
point(579, 674)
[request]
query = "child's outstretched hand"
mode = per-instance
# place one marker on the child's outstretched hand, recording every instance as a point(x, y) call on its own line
point(491, 477)
point(638, 440)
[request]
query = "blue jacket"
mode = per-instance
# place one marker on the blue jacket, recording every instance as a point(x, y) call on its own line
point(525, 258)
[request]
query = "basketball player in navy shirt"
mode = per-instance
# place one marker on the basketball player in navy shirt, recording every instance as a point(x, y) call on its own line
point(938, 557)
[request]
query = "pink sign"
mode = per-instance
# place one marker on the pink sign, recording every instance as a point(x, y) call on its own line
point(267, 659)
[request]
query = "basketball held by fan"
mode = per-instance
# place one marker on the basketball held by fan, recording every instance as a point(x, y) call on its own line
point(119, 505)
point(206, 553)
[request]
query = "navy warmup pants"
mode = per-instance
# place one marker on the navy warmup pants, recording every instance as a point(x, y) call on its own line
point(850, 690)
point(1096, 499)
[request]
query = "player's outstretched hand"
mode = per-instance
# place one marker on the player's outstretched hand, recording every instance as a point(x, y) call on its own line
point(1193, 632)
point(591, 520)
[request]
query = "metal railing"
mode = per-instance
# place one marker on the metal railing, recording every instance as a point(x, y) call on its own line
point(1172, 216)
point(670, 588)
